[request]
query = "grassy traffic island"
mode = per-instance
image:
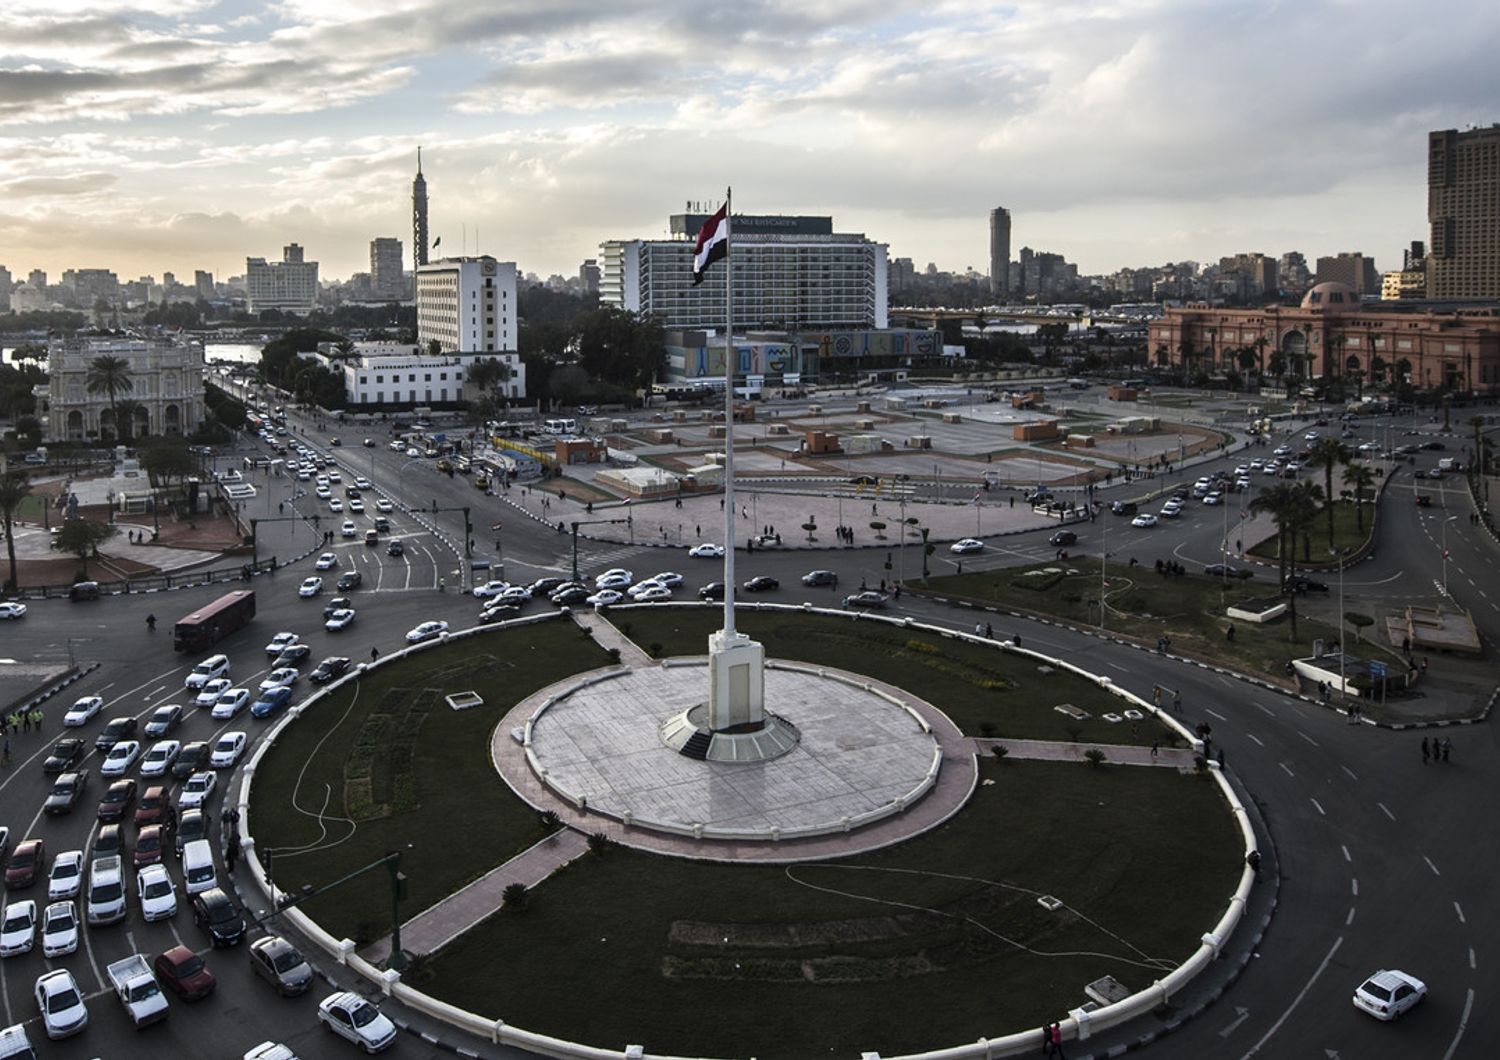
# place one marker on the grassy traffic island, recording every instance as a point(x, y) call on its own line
point(934, 942)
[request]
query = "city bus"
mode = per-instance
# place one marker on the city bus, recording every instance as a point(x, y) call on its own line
point(208, 625)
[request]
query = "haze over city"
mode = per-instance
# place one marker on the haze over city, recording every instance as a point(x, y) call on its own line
point(144, 136)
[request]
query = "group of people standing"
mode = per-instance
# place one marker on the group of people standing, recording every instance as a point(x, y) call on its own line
point(1437, 750)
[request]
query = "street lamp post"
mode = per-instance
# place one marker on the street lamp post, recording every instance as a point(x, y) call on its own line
point(1446, 521)
point(1342, 555)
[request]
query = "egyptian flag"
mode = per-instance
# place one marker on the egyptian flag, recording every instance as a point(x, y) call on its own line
point(713, 243)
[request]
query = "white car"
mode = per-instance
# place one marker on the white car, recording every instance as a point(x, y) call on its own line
point(335, 504)
point(640, 587)
point(652, 594)
point(340, 619)
point(227, 750)
point(157, 892)
point(327, 561)
point(282, 677)
point(66, 876)
point(615, 580)
point(59, 929)
point(335, 475)
point(63, 1011)
point(1282, 450)
point(12, 610)
point(310, 587)
point(160, 758)
point(707, 550)
point(1241, 470)
point(348, 528)
point(356, 505)
point(671, 579)
point(413, 451)
point(209, 694)
point(18, 928)
point(426, 631)
point(198, 789)
point(966, 546)
point(384, 506)
point(207, 670)
point(516, 594)
point(1144, 519)
point(280, 641)
point(605, 597)
point(1172, 509)
point(231, 703)
point(323, 492)
point(83, 711)
point(490, 588)
point(120, 758)
point(1213, 498)
point(1389, 993)
point(362, 483)
point(351, 1016)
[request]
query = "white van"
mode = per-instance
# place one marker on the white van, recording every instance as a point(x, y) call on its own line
point(560, 426)
point(106, 897)
point(198, 873)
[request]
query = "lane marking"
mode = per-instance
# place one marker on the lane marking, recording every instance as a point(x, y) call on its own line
point(1473, 964)
point(1354, 885)
point(1303, 993)
point(1431, 866)
point(1308, 738)
point(1346, 769)
point(1216, 714)
point(1347, 857)
point(1257, 739)
point(1463, 1023)
point(1350, 918)
point(1460, 911)
point(1287, 768)
point(1317, 806)
point(1386, 810)
point(147, 697)
point(1267, 711)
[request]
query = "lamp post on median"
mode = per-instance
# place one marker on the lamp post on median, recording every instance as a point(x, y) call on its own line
point(1446, 521)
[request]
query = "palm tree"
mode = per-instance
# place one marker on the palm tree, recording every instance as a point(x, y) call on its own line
point(15, 486)
point(1260, 354)
point(1328, 454)
point(1360, 479)
point(1292, 506)
point(110, 375)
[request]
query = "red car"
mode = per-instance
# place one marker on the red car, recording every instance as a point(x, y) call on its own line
point(149, 844)
point(117, 800)
point(24, 864)
point(183, 972)
point(154, 807)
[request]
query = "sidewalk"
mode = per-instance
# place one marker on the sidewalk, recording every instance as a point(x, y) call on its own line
point(1118, 754)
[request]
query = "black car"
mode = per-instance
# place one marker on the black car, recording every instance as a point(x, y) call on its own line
point(64, 754)
point(295, 654)
point(1038, 496)
point(193, 825)
point(65, 792)
point(870, 599)
point(864, 480)
point(1123, 507)
point(1434, 446)
point(84, 591)
point(382, 524)
point(215, 912)
point(499, 611)
point(760, 584)
point(1221, 570)
point(192, 759)
point(338, 603)
point(352, 579)
point(820, 577)
point(1300, 584)
point(118, 729)
point(547, 586)
point(569, 595)
point(712, 591)
point(164, 720)
point(1063, 537)
point(395, 548)
point(329, 669)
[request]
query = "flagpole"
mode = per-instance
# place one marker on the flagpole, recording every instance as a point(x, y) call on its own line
point(728, 417)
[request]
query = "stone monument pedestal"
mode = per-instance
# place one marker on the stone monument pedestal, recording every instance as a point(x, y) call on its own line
point(733, 726)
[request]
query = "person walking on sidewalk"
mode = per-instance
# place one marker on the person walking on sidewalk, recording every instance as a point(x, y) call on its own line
point(1426, 754)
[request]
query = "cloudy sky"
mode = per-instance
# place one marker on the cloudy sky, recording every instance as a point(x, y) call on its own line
point(168, 135)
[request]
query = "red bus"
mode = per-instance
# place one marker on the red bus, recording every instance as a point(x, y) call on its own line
point(208, 625)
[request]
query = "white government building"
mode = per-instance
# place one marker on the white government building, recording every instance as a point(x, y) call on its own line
point(468, 307)
point(166, 389)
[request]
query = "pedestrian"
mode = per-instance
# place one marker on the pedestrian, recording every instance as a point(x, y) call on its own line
point(375, 654)
point(1046, 1040)
point(1426, 754)
point(698, 530)
point(25, 721)
point(1424, 667)
point(1155, 748)
point(1156, 695)
point(1229, 633)
point(978, 630)
point(896, 590)
point(989, 631)
point(1057, 1049)
point(5, 752)
point(1447, 748)
point(1221, 758)
point(1177, 702)
point(36, 719)
point(874, 510)
point(1015, 639)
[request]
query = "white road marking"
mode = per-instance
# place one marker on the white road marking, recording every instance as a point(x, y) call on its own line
point(1308, 738)
point(1347, 857)
point(1302, 994)
point(1287, 768)
point(1318, 806)
point(153, 692)
point(1258, 741)
point(1473, 963)
point(1386, 810)
point(1354, 886)
point(1350, 918)
point(1346, 769)
point(1431, 866)
point(1216, 714)
point(1463, 1023)
point(1460, 911)
point(1267, 711)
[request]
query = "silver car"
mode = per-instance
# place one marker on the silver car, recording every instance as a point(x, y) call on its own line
point(279, 963)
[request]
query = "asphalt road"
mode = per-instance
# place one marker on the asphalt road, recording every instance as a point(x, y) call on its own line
point(1384, 861)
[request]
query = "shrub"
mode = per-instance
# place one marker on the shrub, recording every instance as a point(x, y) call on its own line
point(1094, 757)
point(515, 896)
point(655, 649)
point(614, 655)
point(999, 751)
point(547, 820)
point(599, 843)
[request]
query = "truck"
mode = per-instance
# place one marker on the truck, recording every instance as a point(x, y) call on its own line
point(138, 990)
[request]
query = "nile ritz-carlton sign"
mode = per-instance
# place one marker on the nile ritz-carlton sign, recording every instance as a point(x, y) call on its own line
point(1332, 334)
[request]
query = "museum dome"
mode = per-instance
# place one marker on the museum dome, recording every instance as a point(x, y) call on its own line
point(1331, 296)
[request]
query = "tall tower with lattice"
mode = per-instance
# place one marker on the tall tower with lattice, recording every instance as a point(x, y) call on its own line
point(419, 215)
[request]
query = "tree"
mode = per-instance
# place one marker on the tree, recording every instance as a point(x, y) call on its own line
point(1361, 480)
point(1328, 454)
point(1292, 506)
point(82, 537)
point(1478, 467)
point(167, 460)
point(486, 372)
point(110, 375)
point(15, 487)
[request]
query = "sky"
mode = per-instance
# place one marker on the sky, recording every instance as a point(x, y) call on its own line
point(170, 135)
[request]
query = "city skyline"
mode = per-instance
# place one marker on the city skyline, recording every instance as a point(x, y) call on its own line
point(146, 142)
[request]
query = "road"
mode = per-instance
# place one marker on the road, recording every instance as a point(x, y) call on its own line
point(1376, 851)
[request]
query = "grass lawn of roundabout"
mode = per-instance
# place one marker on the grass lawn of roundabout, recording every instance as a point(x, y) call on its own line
point(934, 942)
